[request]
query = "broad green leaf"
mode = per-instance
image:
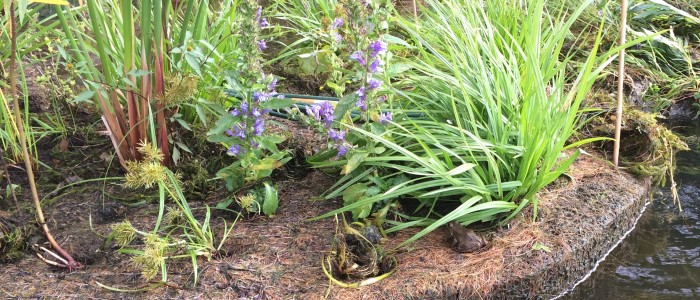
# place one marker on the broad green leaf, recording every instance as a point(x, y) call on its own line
point(356, 158)
point(276, 103)
point(271, 200)
point(267, 163)
point(352, 195)
point(225, 122)
point(344, 105)
point(84, 96)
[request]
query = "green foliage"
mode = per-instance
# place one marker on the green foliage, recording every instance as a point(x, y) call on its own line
point(319, 46)
point(498, 107)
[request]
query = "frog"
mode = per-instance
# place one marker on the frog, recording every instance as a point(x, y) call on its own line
point(465, 240)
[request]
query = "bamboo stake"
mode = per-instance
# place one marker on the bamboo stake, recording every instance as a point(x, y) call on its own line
point(620, 82)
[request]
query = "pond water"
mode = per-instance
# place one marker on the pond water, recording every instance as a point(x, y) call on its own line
point(660, 259)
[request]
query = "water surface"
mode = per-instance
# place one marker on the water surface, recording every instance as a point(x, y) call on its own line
point(660, 259)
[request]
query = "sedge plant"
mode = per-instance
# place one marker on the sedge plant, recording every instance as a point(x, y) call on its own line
point(177, 233)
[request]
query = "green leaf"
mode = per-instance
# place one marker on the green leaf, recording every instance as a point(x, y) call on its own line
point(183, 123)
point(276, 103)
point(176, 155)
point(396, 69)
point(339, 90)
point(353, 194)
point(232, 176)
point(343, 106)
point(540, 247)
point(84, 96)
point(138, 73)
point(390, 39)
point(201, 114)
point(271, 200)
point(225, 122)
point(356, 159)
point(224, 204)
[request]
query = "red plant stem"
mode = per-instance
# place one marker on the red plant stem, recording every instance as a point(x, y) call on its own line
point(72, 264)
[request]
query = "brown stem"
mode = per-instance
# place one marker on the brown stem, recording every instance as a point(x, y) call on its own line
point(72, 264)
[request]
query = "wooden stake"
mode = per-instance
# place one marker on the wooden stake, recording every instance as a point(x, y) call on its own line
point(620, 82)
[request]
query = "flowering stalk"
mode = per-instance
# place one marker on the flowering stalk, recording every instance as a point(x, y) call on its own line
point(368, 53)
point(249, 114)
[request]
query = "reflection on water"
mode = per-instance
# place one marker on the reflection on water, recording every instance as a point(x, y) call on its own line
point(660, 259)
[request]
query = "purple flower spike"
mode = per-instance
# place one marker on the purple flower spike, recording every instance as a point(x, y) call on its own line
point(254, 144)
point(361, 92)
point(258, 127)
point(361, 103)
point(272, 85)
point(258, 14)
point(244, 108)
point(338, 38)
point(239, 132)
point(235, 112)
point(309, 111)
point(337, 23)
point(336, 135)
point(329, 121)
point(341, 151)
point(376, 48)
point(263, 23)
point(230, 132)
point(235, 150)
point(326, 108)
point(373, 84)
point(262, 45)
point(255, 112)
point(385, 118)
point(376, 66)
point(357, 55)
